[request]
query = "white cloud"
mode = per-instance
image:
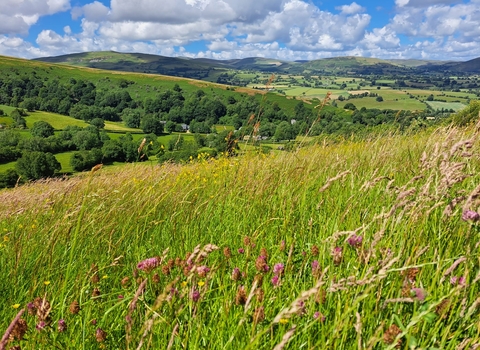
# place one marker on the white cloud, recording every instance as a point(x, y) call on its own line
point(94, 11)
point(425, 3)
point(351, 9)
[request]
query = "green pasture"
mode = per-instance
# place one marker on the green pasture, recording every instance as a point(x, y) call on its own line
point(58, 121)
point(456, 106)
point(371, 102)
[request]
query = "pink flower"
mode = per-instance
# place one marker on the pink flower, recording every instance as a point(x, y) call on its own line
point(315, 265)
point(241, 250)
point(40, 326)
point(318, 316)
point(202, 271)
point(461, 281)
point(354, 240)
point(275, 280)
point(470, 216)
point(62, 325)
point(195, 295)
point(278, 269)
point(419, 293)
point(148, 264)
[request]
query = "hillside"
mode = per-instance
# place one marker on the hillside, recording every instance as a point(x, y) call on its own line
point(208, 69)
point(333, 246)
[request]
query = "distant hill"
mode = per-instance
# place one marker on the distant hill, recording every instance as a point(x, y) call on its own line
point(210, 69)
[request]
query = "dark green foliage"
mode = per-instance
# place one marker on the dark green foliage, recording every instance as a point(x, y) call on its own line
point(37, 165)
point(9, 178)
point(42, 129)
point(151, 125)
point(86, 159)
point(471, 114)
point(99, 123)
point(284, 131)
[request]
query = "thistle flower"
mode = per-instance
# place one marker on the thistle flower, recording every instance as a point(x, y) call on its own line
point(100, 335)
point(61, 326)
point(418, 293)
point(236, 274)
point(470, 216)
point(278, 269)
point(148, 264)
point(337, 254)
point(354, 240)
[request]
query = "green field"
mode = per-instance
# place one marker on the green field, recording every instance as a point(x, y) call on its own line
point(370, 102)
point(59, 122)
point(456, 106)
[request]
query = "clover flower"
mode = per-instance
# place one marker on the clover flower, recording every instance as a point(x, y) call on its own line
point(62, 325)
point(148, 264)
point(470, 216)
point(275, 280)
point(278, 269)
point(354, 240)
point(419, 293)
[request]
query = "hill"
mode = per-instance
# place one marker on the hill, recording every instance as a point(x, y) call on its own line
point(332, 246)
point(209, 69)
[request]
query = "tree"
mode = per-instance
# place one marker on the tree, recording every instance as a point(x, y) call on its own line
point(151, 125)
point(37, 165)
point(99, 123)
point(284, 131)
point(379, 99)
point(350, 106)
point(42, 129)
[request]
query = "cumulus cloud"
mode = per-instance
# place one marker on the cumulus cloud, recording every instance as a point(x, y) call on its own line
point(16, 17)
point(425, 3)
point(351, 9)
point(95, 11)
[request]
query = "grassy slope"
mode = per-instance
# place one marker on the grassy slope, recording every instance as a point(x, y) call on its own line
point(316, 197)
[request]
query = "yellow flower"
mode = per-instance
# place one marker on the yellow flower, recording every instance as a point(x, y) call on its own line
point(20, 226)
point(283, 320)
point(105, 277)
point(184, 283)
point(46, 283)
point(6, 239)
point(33, 226)
point(201, 283)
point(16, 306)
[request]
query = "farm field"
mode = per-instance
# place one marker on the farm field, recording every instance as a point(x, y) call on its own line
point(456, 106)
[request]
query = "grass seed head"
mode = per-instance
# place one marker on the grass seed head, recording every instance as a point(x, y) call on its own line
point(74, 307)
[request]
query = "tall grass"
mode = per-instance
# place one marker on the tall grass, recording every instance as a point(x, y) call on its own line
point(352, 245)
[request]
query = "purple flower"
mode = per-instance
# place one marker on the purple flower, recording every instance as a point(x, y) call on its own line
point(120, 296)
point(195, 295)
point(337, 254)
point(148, 264)
point(241, 250)
point(202, 270)
point(461, 281)
point(419, 293)
point(315, 265)
point(62, 325)
point(354, 240)
point(318, 316)
point(40, 326)
point(470, 216)
point(275, 280)
point(278, 269)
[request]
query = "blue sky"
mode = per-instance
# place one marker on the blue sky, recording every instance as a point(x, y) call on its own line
point(224, 29)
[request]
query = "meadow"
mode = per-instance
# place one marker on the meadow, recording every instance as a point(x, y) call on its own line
point(335, 245)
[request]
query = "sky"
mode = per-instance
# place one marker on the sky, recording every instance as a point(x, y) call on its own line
point(226, 29)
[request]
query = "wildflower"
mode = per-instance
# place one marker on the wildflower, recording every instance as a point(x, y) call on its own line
point(259, 315)
point(236, 274)
point(46, 283)
point(283, 320)
point(276, 280)
point(100, 335)
point(354, 240)
point(31, 309)
point(93, 322)
point(148, 264)
point(315, 268)
point(120, 296)
point(19, 329)
point(470, 216)
point(43, 309)
point(278, 269)
point(282, 246)
point(264, 253)
point(241, 297)
point(227, 252)
point(74, 307)
point(125, 281)
point(62, 325)
point(260, 294)
point(241, 250)
point(40, 326)
point(246, 241)
point(202, 271)
point(201, 283)
point(390, 335)
point(16, 306)
point(156, 278)
point(319, 316)
point(184, 284)
point(195, 295)
point(337, 254)
point(315, 251)
point(166, 270)
point(261, 264)
point(418, 293)
point(455, 280)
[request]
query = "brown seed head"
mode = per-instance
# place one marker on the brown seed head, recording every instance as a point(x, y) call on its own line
point(390, 335)
point(282, 246)
point(241, 297)
point(264, 253)
point(96, 293)
point(74, 307)
point(100, 335)
point(125, 281)
point(19, 330)
point(247, 241)
point(166, 270)
point(43, 309)
point(179, 262)
point(171, 263)
point(321, 296)
point(227, 252)
point(259, 315)
point(260, 294)
point(156, 278)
